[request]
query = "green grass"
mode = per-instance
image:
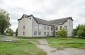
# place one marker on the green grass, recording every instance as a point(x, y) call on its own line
point(66, 42)
point(20, 47)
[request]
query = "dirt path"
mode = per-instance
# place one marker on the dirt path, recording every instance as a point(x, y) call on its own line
point(43, 44)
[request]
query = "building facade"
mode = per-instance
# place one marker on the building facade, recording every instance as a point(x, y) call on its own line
point(30, 26)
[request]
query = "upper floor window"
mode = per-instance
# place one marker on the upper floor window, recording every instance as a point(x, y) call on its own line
point(48, 28)
point(65, 27)
point(35, 32)
point(23, 33)
point(45, 27)
point(40, 27)
point(56, 28)
point(35, 26)
point(51, 28)
point(60, 27)
point(24, 27)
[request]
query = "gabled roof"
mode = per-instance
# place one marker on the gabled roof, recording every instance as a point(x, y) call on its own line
point(60, 21)
point(45, 22)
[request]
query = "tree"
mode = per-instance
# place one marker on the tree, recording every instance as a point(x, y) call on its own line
point(81, 30)
point(74, 32)
point(62, 33)
point(9, 32)
point(4, 21)
point(17, 32)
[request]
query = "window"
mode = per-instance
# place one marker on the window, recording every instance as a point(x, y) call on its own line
point(60, 27)
point(35, 26)
point(40, 27)
point(35, 32)
point(56, 28)
point(51, 28)
point(48, 28)
point(23, 33)
point(24, 27)
point(48, 33)
point(45, 27)
point(44, 33)
point(65, 27)
point(39, 33)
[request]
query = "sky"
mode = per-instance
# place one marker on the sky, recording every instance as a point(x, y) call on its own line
point(45, 9)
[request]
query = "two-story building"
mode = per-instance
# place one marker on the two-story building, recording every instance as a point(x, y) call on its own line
point(31, 26)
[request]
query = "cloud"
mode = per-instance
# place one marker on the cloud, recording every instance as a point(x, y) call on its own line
point(45, 9)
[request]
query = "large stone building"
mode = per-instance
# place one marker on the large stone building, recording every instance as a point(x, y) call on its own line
point(30, 26)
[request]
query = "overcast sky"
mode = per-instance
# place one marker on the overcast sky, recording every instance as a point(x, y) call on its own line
point(45, 9)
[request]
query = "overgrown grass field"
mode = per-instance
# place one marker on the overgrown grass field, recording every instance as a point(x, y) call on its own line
point(20, 47)
point(66, 42)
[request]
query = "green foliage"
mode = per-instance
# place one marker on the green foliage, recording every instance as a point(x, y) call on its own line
point(17, 32)
point(62, 33)
point(74, 32)
point(4, 22)
point(9, 32)
point(81, 30)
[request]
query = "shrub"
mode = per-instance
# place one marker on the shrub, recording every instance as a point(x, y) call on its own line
point(62, 33)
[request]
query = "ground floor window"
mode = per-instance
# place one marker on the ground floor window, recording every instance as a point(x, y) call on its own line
point(23, 33)
point(60, 27)
point(48, 33)
point(39, 33)
point(44, 33)
point(35, 32)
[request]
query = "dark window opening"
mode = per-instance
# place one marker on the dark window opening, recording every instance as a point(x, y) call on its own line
point(60, 27)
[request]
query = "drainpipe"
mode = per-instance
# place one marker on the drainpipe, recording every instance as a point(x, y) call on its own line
point(53, 31)
point(32, 27)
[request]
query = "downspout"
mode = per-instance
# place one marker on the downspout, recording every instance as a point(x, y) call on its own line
point(32, 27)
point(38, 29)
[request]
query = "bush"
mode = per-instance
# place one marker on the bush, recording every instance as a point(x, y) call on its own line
point(62, 33)
point(9, 32)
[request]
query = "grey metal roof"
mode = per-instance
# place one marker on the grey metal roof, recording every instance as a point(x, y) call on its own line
point(60, 21)
point(45, 22)
point(41, 21)
point(57, 21)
